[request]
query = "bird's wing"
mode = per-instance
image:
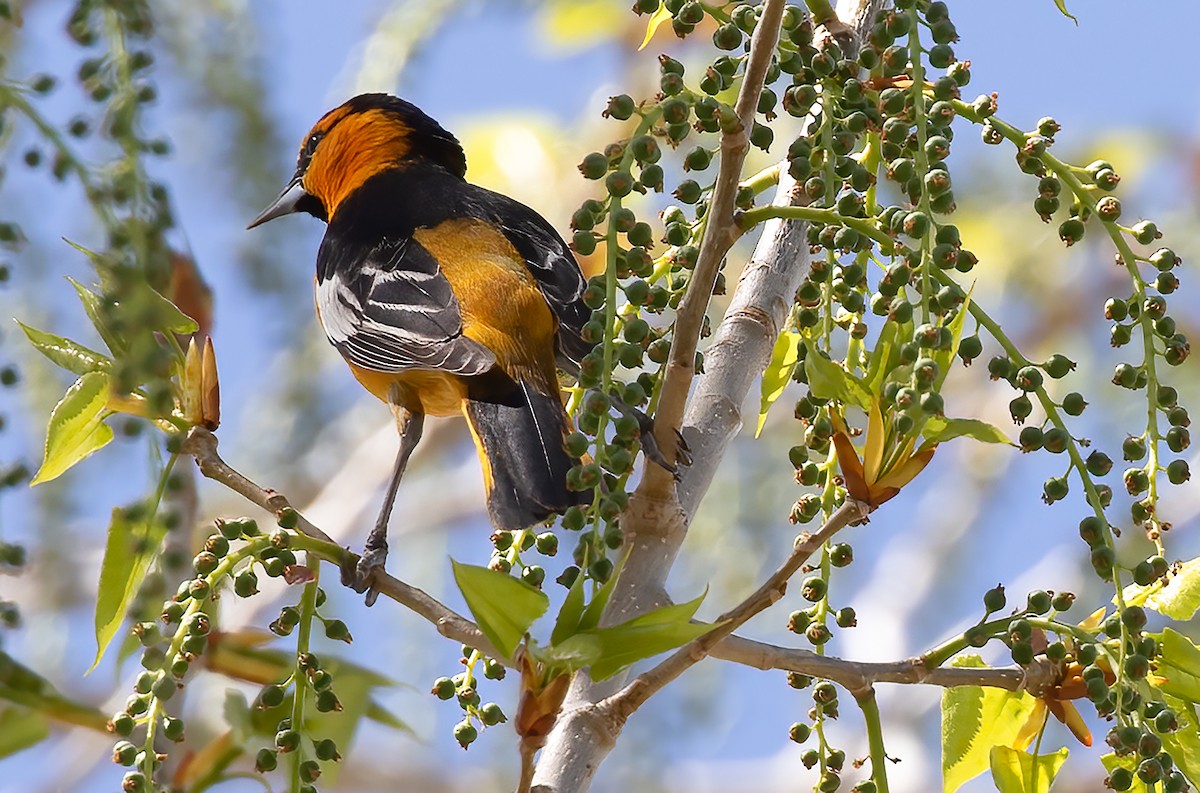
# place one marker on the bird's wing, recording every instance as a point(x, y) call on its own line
point(388, 308)
point(553, 266)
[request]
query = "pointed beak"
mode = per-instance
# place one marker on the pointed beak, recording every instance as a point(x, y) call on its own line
point(284, 205)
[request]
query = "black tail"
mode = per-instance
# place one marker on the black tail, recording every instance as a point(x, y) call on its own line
point(525, 465)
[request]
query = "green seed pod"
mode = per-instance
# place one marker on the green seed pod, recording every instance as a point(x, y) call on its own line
point(1030, 439)
point(620, 107)
point(994, 599)
point(1020, 408)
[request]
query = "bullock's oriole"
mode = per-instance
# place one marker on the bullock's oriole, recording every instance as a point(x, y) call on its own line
point(444, 298)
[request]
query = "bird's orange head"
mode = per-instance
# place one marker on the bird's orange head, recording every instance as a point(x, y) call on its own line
point(369, 134)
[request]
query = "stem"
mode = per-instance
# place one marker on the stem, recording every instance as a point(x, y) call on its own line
point(870, 711)
point(922, 159)
point(752, 217)
point(308, 609)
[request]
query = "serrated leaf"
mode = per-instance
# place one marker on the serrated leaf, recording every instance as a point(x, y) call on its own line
point(939, 429)
point(975, 719)
point(128, 552)
point(828, 379)
point(76, 427)
point(1111, 761)
point(778, 373)
point(1184, 744)
point(21, 729)
point(1014, 771)
point(1177, 597)
point(1179, 666)
point(1062, 6)
point(503, 607)
point(656, 19)
point(93, 306)
point(67, 354)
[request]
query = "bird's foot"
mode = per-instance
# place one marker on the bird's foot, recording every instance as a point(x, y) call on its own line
point(653, 452)
point(359, 573)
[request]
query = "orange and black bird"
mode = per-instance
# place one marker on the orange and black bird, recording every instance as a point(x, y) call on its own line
point(444, 298)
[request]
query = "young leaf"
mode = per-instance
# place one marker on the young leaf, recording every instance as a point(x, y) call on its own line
point(1177, 597)
point(827, 379)
point(93, 306)
point(1184, 744)
point(503, 606)
point(595, 607)
point(172, 318)
point(69, 355)
point(131, 547)
point(656, 19)
point(1179, 666)
point(76, 426)
point(1062, 6)
point(881, 358)
point(974, 720)
point(945, 358)
point(616, 647)
point(778, 373)
point(939, 429)
point(1013, 771)
point(1111, 761)
point(570, 613)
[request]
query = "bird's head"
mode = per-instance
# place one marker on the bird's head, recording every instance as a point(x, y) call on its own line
point(351, 143)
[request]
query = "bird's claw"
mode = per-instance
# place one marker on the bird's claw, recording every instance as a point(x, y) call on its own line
point(359, 573)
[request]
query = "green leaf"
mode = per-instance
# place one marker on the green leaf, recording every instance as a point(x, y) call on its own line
point(63, 352)
point(131, 547)
point(656, 19)
point(778, 373)
point(939, 429)
point(1177, 597)
point(945, 358)
point(1013, 770)
point(1111, 761)
point(609, 650)
point(169, 315)
point(503, 606)
point(1184, 744)
point(20, 729)
point(381, 715)
point(1062, 6)
point(827, 379)
point(22, 686)
point(881, 362)
point(595, 607)
point(975, 719)
point(570, 614)
point(1179, 666)
point(76, 426)
point(93, 306)
point(354, 692)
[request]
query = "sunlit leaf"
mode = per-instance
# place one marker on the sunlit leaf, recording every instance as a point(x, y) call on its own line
point(1184, 744)
point(1062, 6)
point(1179, 666)
point(570, 613)
point(1177, 597)
point(20, 729)
point(93, 306)
point(503, 606)
point(939, 429)
point(1111, 761)
point(656, 19)
point(63, 352)
point(77, 427)
point(599, 602)
point(1015, 771)
point(128, 552)
point(945, 358)
point(974, 719)
point(828, 379)
point(880, 362)
point(574, 24)
point(778, 373)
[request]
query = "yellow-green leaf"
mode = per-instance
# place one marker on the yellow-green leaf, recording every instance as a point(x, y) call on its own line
point(93, 306)
point(169, 316)
point(945, 358)
point(656, 19)
point(939, 429)
point(975, 719)
point(1184, 744)
point(1130, 763)
point(1177, 597)
point(503, 606)
point(63, 352)
point(76, 426)
point(570, 614)
point(1179, 666)
point(1062, 6)
point(778, 373)
point(828, 379)
point(20, 729)
point(1015, 771)
point(131, 546)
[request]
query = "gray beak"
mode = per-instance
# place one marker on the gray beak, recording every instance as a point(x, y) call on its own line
point(284, 205)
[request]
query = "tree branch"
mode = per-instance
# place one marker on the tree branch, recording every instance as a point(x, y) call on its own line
point(202, 445)
point(720, 232)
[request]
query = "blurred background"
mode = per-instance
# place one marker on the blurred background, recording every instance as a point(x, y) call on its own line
point(522, 84)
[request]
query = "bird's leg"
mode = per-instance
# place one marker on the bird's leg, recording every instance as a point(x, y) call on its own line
point(358, 578)
point(650, 443)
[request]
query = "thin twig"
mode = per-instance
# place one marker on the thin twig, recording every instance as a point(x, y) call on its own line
point(720, 232)
point(652, 681)
point(202, 445)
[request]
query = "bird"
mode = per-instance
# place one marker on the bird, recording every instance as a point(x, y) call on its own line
point(445, 298)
